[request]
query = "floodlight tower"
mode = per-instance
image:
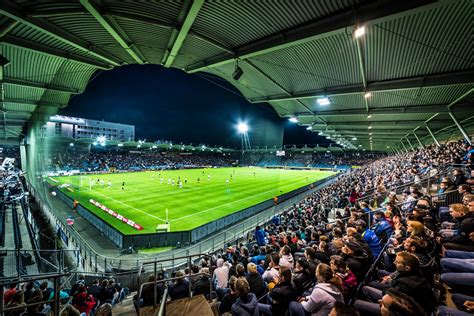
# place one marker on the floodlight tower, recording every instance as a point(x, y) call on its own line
point(243, 130)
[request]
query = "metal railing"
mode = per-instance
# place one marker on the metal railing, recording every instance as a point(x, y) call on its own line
point(55, 302)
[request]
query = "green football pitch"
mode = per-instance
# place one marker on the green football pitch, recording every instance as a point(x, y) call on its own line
point(146, 196)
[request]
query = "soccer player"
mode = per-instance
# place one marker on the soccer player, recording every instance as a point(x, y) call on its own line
point(185, 180)
point(161, 180)
point(172, 182)
point(180, 184)
point(102, 182)
point(208, 177)
point(227, 182)
point(199, 180)
point(169, 180)
point(123, 185)
point(109, 184)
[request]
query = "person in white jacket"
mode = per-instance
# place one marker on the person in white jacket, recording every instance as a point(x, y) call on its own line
point(323, 297)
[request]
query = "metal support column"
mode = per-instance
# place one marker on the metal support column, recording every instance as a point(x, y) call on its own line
point(409, 143)
point(432, 135)
point(419, 141)
point(401, 141)
point(466, 136)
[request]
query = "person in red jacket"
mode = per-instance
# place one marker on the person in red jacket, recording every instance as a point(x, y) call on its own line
point(83, 301)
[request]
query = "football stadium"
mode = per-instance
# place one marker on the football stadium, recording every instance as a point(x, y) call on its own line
point(245, 158)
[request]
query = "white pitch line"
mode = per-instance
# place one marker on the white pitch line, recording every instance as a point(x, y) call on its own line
point(136, 209)
point(213, 208)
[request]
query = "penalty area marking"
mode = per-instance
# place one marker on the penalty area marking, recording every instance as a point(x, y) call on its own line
point(136, 209)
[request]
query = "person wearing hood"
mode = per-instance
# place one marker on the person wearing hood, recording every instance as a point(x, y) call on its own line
point(286, 258)
point(246, 304)
point(323, 297)
point(356, 259)
point(202, 286)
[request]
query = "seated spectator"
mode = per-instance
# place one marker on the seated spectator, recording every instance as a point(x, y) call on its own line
point(348, 279)
point(341, 309)
point(281, 295)
point(17, 301)
point(180, 288)
point(286, 259)
point(230, 298)
point(83, 301)
point(246, 304)
point(356, 259)
point(272, 272)
point(408, 279)
point(323, 297)
point(147, 295)
point(257, 286)
point(301, 279)
point(7, 295)
point(398, 303)
point(370, 237)
point(381, 227)
point(203, 285)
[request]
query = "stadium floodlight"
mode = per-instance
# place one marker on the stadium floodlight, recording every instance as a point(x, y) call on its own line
point(370, 127)
point(154, 147)
point(94, 143)
point(309, 128)
point(101, 139)
point(354, 138)
point(367, 95)
point(203, 147)
point(328, 137)
point(359, 31)
point(138, 146)
point(242, 128)
point(293, 119)
point(71, 144)
point(324, 101)
point(369, 116)
point(120, 145)
point(320, 133)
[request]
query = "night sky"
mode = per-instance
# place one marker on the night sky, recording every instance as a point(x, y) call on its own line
point(169, 104)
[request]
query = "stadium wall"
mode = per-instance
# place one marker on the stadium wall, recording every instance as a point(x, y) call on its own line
point(183, 237)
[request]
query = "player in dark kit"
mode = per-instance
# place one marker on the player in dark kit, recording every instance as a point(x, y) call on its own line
point(123, 185)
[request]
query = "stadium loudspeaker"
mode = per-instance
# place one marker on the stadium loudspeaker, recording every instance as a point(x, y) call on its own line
point(26, 259)
point(238, 72)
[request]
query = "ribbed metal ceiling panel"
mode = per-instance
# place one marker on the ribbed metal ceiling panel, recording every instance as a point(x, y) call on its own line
point(431, 41)
point(27, 33)
point(423, 96)
point(165, 11)
point(145, 34)
point(19, 107)
point(193, 50)
point(326, 62)
point(225, 19)
point(23, 93)
point(29, 65)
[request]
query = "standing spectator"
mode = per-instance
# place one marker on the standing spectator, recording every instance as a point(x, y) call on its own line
point(7, 295)
point(260, 236)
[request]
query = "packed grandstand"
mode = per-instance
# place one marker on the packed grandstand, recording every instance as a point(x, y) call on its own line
point(402, 234)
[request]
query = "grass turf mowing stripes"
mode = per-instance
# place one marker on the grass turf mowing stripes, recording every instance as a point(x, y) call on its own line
point(146, 196)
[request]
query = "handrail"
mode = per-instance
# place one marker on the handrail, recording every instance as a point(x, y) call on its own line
point(163, 303)
point(156, 282)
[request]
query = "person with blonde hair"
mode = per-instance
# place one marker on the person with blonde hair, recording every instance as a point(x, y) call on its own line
point(257, 286)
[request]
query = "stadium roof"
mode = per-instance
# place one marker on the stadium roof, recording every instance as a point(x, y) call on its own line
point(415, 58)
